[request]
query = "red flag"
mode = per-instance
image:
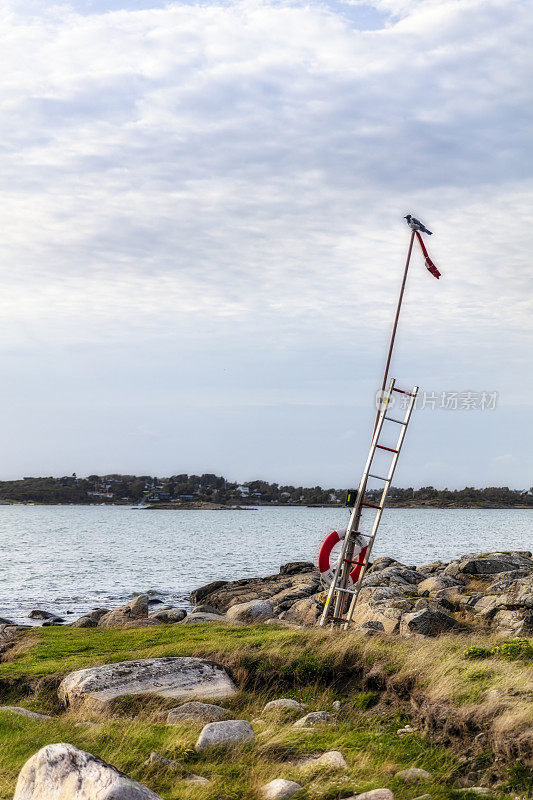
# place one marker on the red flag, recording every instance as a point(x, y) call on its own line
point(429, 263)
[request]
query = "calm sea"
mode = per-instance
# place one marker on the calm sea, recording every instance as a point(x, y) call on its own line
point(70, 559)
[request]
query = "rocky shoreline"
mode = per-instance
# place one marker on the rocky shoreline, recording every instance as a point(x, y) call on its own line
point(230, 702)
point(489, 592)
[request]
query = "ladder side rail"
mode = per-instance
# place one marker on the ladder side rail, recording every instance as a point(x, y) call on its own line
point(377, 518)
point(342, 568)
point(353, 526)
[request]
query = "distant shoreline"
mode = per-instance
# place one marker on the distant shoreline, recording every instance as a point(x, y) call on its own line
point(216, 507)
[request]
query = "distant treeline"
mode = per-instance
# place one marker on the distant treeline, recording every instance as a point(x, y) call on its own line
point(185, 489)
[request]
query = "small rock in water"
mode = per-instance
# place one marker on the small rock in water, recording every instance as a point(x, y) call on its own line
point(39, 613)
point(194, 710)
point(225, 734)
point(313, 718)
point(52, 621)
point(283, 704)
point(414, 774)
point(279, 789)
point(136, 609)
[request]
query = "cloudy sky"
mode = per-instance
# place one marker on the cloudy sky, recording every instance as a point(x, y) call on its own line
point(202, 235)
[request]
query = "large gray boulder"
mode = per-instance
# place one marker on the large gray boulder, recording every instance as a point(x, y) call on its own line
point(136, 609)
point(304, 612)
point(176, 678)
point(488, 564)
point(395, 574)
point(84, 622)
point(429, 622)
point(519, 593)
point(435, 583)
point(168, 614)
point(62, 772)
point(384, 605)
point(225, 734)
point(295, 581)
point(513, 622)
point(255, 611)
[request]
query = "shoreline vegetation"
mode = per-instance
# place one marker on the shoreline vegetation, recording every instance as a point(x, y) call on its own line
point(367, 714)
point(212, 492)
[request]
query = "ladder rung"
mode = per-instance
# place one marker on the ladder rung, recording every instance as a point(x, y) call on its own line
point(352, 561)
point(337, 619)
point(399, 421)
point(402, 391)
point(390, 449)
point(345, 591)
point(378, 477)
point(371, 505)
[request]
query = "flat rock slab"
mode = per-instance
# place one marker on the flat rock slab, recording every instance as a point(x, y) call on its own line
point(199, 712)
point(225, 734)
point(24, 712)
point(62, 772)
point(175, 678)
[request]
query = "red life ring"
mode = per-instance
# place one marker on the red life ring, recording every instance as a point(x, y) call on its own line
point(324, 566)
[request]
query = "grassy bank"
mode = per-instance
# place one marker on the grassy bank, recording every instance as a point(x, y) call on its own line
point(382, 684)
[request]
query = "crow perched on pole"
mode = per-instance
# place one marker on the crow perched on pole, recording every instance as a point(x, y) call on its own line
point(415, 224)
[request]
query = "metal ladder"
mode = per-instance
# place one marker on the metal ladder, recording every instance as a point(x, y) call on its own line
point(342, 598)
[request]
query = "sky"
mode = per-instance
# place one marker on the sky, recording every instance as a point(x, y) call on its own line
point(203, 236)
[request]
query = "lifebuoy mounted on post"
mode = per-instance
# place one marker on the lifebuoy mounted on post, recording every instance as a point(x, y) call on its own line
point(327, 569)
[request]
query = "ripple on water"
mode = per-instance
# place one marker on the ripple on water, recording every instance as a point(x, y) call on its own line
point(75, 558)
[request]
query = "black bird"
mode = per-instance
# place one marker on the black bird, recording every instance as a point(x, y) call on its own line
point(415, 224)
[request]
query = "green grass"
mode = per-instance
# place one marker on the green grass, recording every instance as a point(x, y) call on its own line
point(370, 745)
point(311, 666)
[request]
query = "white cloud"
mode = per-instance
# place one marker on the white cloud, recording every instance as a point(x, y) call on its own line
point(240, 170)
